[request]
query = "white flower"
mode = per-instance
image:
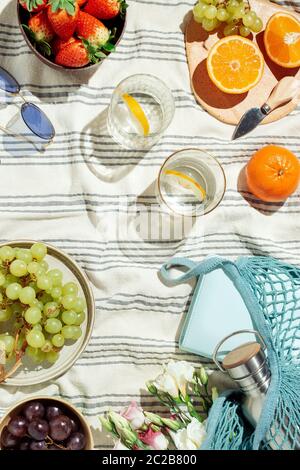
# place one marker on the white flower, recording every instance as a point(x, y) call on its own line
point(155, 439)
point(191, 437)
point(134, 415)
point(120, 446)
point(175, 377)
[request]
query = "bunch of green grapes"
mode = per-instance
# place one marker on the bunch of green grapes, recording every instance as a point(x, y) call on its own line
point(40, 311)
point(237, 15)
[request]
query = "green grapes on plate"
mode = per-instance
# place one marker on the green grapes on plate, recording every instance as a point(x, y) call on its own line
point(236, 16)
point(39, 313)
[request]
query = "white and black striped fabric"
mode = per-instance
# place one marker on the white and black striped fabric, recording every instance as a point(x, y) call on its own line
point(75, 194)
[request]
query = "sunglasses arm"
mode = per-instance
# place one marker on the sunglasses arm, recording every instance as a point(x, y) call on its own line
point(22, 138)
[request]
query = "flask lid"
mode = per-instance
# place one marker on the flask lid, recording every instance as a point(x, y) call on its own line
point(241, 355)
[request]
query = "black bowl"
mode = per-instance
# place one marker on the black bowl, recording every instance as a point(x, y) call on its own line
point(117, 23)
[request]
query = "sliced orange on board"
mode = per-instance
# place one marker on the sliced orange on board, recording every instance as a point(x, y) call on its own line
point(282, 40)
point(235, 64)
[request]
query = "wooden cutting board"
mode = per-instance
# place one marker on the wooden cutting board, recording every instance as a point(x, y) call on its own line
point(230, 108)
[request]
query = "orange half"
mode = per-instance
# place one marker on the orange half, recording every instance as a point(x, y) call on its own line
point(235, 64)
point(282, 40)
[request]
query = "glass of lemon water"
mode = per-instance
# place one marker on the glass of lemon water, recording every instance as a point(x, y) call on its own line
point(190, 183)
point(141, 109)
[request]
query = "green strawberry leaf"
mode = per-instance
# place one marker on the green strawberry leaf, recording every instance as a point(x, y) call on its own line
point(31, 4)
point(112, 34)
point(109, 47)
point(123, 7)
point(44, 47)
point(29, 32)
point(67, 5)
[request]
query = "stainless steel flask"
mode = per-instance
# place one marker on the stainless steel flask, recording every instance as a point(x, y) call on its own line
point(248, 366)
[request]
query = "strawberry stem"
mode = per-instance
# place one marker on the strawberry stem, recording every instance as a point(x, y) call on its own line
point(68, 5)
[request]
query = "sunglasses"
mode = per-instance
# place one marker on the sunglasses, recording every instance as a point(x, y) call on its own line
point(34, 118)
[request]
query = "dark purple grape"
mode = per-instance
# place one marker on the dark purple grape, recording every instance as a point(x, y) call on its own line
point(60, 428)
point(74, 424)
point(38, 445)
point(8, 440)
point(54, 447)
point(38, 429)
point(52, 412)
point(33, 410)
point(24, 444)
point(17, 426)
point(76, 441)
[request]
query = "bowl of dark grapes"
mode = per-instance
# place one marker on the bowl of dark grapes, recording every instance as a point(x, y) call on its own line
point(43, 423)
point(47, 312)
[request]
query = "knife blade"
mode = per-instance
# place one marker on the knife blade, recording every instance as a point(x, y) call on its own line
point(286, 90)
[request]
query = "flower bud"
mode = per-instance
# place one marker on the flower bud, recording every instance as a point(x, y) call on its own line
point(214, 393)
point(203, 376)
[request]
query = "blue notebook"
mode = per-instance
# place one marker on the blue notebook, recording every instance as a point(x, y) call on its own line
point(217, 310)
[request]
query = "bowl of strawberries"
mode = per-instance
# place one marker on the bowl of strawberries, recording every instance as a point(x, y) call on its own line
point(72, 34)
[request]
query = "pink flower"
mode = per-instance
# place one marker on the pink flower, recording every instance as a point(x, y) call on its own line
point(156, 439)
point(134, 415)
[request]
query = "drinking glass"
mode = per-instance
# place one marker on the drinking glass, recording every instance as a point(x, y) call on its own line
point(190, 183)
point(157, 103)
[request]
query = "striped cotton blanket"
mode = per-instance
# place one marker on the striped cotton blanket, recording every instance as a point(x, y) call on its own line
point(78, 193)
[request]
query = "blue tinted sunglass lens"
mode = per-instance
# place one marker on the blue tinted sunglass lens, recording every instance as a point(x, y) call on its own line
point(7, 82)
point(37, 121)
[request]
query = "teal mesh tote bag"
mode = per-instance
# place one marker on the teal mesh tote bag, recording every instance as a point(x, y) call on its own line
point(271, 292)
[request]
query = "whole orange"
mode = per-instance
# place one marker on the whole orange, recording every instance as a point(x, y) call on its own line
point(273, 173)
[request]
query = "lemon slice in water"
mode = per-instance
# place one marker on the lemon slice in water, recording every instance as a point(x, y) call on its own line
point(137, 114)
point(187, 182)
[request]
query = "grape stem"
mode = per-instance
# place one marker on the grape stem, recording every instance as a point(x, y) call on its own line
point(52, 442)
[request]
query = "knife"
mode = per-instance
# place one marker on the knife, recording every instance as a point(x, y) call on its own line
point(285, 90)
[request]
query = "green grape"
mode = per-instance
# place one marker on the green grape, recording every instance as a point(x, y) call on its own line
point(77, 332)
point(5, 314)
point(58, 340)
point(244, 31)
point(56, 292)
point(80, 303)
point(51, 309)
point(222, 14)
point(56, 277)
point(38, 251)
point(37, 303)
point(208, 25)
point(70, 288)
point(210, 12)
point(80, 318)
point(2, 279)
point(257, 25)
point(10, 279)
point(44, 282)
point(232, 5)
point(230, 29)
point(18, 268)
point(35, 354)
point(33, 267)
point(68, 331)
point(239, 12)
point(13, 291)
point(68, 301)
point(7, 253)
point(24, 255)
point(197, 12)
point(44, 265)
point(20, 342)
point(45, 298)
point(53, 325)
point(52, 356)
point(48, 346)
point(9, 342)
point(69, 317)
point(37, 326)
point(33, 315)
point(1, 298)
point(248, 19)
point(35, 338)
point(27, 295)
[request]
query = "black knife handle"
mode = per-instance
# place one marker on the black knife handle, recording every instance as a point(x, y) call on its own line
point(265, 109)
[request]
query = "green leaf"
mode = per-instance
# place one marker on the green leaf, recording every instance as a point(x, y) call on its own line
point(123, 8)
point(29, 33)
point(44, 47)
point(109, 47)
point(67, 5)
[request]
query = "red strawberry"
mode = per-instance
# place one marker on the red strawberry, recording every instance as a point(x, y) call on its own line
point(63, 16)
point(81, 2)
point(58, 44)
point(40, 27)
point(33, 5)
point(73, 55)
point(78, 54)
point(91, 29)
point(105, 9)
point(40, 32)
